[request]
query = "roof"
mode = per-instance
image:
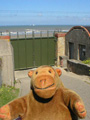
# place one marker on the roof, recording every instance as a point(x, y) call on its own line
point(60, 35)
point(86, 28)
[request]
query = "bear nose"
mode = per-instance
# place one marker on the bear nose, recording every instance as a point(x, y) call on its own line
point(43, 81)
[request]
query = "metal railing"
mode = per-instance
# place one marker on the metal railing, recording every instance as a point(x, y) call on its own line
point(30, 34)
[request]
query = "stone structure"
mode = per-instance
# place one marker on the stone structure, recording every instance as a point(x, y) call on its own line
point(7, 65)
point(60, 47)
point(77, 43)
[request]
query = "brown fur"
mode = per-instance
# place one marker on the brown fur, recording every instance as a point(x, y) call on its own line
point(48, 99)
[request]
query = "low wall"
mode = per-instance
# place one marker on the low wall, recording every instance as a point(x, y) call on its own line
point(78, 67)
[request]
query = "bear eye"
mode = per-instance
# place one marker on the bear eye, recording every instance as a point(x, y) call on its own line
point(36, 72)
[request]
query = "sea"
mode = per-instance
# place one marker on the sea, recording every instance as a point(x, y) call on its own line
point(5, 30)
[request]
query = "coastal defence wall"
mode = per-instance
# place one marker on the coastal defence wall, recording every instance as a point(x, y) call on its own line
point(6, 62)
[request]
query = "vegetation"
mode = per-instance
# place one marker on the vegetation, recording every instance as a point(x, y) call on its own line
point(0, 63)
point(86, 61)
point(7, 94)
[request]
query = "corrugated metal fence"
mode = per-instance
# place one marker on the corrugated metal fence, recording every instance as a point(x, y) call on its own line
point(33, 50)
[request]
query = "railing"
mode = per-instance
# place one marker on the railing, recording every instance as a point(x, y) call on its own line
point(30, 34)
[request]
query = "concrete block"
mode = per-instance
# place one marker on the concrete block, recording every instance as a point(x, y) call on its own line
point(78, 67)
point(6, 54)
point(63, 61)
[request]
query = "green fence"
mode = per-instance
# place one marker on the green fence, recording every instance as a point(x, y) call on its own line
point(33, 51)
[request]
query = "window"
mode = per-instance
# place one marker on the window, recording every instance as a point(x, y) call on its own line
point(82, 52)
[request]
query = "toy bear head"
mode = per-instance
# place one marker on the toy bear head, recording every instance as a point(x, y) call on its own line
point(45, 81)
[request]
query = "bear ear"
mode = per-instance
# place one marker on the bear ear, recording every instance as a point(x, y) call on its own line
point(30, 73)
point(59, 71)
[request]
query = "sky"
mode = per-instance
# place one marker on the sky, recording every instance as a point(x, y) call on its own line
point(44, 12)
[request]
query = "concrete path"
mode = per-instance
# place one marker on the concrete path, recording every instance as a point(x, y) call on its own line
point(80, 84)
point(81, 87)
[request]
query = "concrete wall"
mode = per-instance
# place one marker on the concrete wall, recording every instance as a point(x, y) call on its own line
point(60, 46)
point(78, 67)
point(7, 68)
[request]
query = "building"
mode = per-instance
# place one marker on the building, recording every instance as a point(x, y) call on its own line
point(77, 43)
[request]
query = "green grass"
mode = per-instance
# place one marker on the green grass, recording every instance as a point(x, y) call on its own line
point(7, 94)
point(86, 61)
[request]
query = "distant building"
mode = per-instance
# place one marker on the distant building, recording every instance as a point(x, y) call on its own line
point(77, 43)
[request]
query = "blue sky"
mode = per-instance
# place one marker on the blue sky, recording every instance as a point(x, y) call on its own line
point(45, 12)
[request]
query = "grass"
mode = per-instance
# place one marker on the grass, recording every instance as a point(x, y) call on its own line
point(7, 94)
point(86, 61)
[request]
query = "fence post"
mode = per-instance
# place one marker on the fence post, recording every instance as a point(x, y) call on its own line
point(54, 33)
point(25, 35)
point(33, 35)
point(47, 33)
point(41, 34)
point(17, 35)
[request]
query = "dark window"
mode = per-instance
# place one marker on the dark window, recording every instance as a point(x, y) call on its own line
point(82, 52)
point(71, 50)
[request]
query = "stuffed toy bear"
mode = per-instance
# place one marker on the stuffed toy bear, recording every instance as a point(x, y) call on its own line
point(48, 99)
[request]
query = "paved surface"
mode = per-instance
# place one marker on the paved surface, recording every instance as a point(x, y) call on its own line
point(80, 84)
point(82, 88)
